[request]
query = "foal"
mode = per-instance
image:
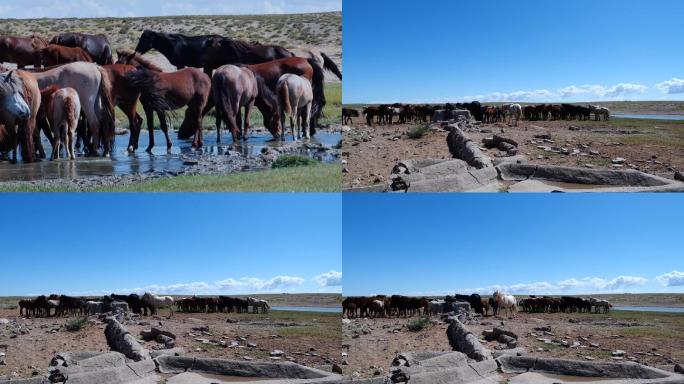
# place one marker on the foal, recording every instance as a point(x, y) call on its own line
point(65, 108)
point(295, 97)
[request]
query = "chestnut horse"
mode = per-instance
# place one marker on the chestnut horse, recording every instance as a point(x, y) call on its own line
point(185, 87)
point(19, 103)
point(55, 54)
point(22, 51)
point(234, 87)
point(126, 98)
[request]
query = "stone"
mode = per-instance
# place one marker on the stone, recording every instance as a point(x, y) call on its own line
point(277, 352)
point(618, 160)
point(618, 353)
point(679, 176)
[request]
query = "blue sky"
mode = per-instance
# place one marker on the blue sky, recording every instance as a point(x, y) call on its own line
point(170, 243)
point(425, 244)
point(134, 8)
point(527, 50)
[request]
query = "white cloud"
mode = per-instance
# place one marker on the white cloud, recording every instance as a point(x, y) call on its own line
point(671, 279)
point(329, 279)
point(572, 285)
point(625, 89)
point(673, 86)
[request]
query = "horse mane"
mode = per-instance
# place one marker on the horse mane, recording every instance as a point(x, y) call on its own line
point(145, 80)
point(265, 92)
point(140, 59)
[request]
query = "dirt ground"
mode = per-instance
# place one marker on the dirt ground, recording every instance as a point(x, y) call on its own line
point(652, 146)
point(653, 339)
point(307, 338)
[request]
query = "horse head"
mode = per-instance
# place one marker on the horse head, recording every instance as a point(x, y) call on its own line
point(12, 99)
point(147, 41)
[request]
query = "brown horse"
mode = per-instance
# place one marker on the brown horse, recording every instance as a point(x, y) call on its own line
point(162, 91)
point(22, 51)
point(235, 87)
point(20, 100)
point(126, 98)
point(55, 54)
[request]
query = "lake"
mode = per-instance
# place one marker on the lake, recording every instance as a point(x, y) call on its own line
point(308, 309)
point(651, 309)
point(648, 116)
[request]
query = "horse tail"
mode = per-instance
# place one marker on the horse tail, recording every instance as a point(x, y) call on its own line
point(107, 55)
point(284, 94)
point(331, 66)
point(317, 88)
point(221, 98)
point(144, 81)
point(107, 106)
point(70, 110)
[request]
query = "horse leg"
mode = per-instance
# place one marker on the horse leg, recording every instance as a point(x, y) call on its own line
point(196, 117)
point(218, 124)
point(307, 120)
point(248, 110)
point(165, 129)
point(149, 115)
point(238, 120)
point(133, 123)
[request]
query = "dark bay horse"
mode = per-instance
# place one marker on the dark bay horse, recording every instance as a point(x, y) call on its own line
point(97, 46)
point(207, 51)
point(55, 54)
point(22, 51)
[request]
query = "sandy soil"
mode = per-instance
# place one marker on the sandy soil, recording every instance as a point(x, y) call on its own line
point(651, 146)
point(311, 339)
point(654, 339)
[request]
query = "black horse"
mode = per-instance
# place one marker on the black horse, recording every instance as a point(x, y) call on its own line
point(97, 46)
point(207, 51)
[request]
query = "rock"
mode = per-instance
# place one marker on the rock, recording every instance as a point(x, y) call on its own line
point(618, 353)
point(4, 321)
point(277, 352)
point(544, 328)
point(679, 176)
point(247, 358)
point(252, 345)
point(154, 333)
point(120, 340)
point(337, 369)
point(678, 368)
point(618, 160)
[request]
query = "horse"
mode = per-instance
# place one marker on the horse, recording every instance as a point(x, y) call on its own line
point(19, 104)
point(347, 114)
point(97, 46)
point(165, 91)
point(295, 97)
point(64, 109)
point(155, 302)
point(258, 303)
point(55, 54)
point(221, 50)
point(513, 111)
point(600, 112)
point(506, 302)
point(93, 86)
point(181, 50)
point(307, 68)
point(22, 51)
point(321, 58)
point(126, 98)
point(234, 87)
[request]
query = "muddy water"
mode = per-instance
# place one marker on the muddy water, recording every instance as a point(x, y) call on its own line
point(308, 309)
point(121, 162)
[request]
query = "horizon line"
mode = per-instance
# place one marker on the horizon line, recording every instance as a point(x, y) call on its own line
point(150, 17)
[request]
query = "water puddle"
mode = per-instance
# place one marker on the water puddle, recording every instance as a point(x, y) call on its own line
point(121, 162)
point(649, 116)
point(551, 378)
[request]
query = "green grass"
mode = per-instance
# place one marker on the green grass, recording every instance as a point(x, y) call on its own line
point(419, 324)
point(314, 178)
point(293, 161)
point(76, 325)
point(417, 131)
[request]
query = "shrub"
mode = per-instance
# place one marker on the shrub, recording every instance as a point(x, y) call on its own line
point(76, 325)
point(417, 132)
point(418, 324)
point(293, 161)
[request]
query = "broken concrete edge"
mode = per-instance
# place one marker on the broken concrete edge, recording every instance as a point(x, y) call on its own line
point(462, 147)
point(281, 370)
point(462, 340)
point(617, 370)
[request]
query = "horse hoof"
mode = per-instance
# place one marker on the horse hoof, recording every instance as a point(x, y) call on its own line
point(131, 149)
point(148, 149)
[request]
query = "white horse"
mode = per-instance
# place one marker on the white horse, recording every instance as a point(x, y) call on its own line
point(295, 97)
point(506, 302)
point(155, 302)
point(600, 112)
point(258, 303)
point(514, 110)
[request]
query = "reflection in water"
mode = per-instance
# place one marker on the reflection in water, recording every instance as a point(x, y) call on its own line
point(121, 162)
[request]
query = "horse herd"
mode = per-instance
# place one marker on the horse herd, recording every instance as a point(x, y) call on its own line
point(499, 302)
point(74, 75)
point(64, 305)
point(512, 113)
